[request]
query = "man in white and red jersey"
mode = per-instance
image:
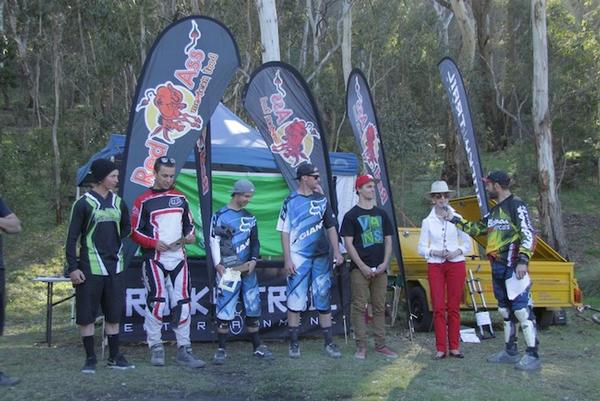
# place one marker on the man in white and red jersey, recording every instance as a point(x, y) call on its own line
point(161, 224)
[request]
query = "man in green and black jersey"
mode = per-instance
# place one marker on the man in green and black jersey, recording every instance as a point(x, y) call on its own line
point(510, 245)
point(100, 218)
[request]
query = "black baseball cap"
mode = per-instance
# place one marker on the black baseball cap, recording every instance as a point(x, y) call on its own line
point(498, 176)
point(306, 169)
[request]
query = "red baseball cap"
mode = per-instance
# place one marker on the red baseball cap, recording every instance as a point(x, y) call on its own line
point(363, 179)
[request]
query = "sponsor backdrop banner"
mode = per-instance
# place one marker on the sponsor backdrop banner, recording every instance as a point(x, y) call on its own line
point(279, 102)
point(273, 321)
point(461, 111)
point(182, 81)
point(363, 119)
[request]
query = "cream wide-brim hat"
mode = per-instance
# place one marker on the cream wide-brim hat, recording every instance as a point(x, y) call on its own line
point(440, 187)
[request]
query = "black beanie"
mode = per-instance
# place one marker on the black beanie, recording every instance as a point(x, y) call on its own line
point(101, 168)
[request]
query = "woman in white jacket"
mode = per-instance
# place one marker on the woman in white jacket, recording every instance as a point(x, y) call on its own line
point(444, 246)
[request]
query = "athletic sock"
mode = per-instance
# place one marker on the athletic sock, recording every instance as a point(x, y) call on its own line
point(294, 335)
point(255, 340)
point(113, 345)
point(222, 337)
point(88, 345)
point(327, 335)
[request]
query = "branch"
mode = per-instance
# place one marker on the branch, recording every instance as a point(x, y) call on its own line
point(337, 134)
point(500, 99)
point(335, 47)
point(444, 3)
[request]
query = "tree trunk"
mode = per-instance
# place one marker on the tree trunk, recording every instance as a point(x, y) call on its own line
point(269, 30)
point(445, 16)
point(196, 7)
point(57, 70)
point(346, 39)
point(20, 35)
point(550, 209)
point(466, 22)
point(88, 103)
point(494, 125)
point(143, 34)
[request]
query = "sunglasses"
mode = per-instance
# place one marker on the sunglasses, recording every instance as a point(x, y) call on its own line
point(440, 196)
point(315, 176)
point(166, 160)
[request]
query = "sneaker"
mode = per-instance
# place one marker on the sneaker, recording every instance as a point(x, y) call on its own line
point(332, 351)
point(294, 350)
point(119, 362)
point(386, 351)
point(361, 353)
point(219, 358)
point(186, 358)
point(529, 363)
point(262, 352)
point(504, 357)
point(157, 355)
point(6, 380)
point(89, 366)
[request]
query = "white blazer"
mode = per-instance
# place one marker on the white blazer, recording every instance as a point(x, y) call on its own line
point(438, 234)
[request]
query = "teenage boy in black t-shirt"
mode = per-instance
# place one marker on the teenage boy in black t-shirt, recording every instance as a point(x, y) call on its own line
point(367, 233)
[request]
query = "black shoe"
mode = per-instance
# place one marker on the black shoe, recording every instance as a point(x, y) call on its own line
point(89, 366)
point(458, 355)
point(119, 362)
point(6, 380)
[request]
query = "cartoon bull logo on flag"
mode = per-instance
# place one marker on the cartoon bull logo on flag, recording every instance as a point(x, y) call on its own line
point(296, 141)
point(168, 113)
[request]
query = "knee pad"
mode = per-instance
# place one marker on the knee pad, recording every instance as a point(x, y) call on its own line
point(324, 312)
point(527, 325)
point(253, 324)
point(504, 312)
point(181, 312)
point(222, 326)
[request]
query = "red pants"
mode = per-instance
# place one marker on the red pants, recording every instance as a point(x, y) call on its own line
point(446, 284)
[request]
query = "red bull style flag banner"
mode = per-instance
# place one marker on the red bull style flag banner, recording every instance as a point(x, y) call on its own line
point(182, 81)
point(461, 111)
point(279, 102)
point(363, 119)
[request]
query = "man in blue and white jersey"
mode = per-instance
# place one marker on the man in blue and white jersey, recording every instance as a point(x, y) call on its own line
point(235, 248)
point(307, 226)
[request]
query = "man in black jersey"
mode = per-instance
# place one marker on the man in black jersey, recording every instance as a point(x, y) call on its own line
point(100, 218)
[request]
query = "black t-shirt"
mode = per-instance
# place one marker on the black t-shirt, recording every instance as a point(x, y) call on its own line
point(4, 211)
point(368, 229)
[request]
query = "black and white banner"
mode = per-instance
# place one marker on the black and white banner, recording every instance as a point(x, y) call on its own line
point(279, 102)
point(462, 117)
point(273, 322)
point(182, 81)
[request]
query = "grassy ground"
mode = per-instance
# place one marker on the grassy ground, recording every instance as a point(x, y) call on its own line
point(569, 371)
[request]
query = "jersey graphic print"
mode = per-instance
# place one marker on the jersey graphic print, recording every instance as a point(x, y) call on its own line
point(306, 218)
point(371, 230)
point(242, 226)
point(508, 228)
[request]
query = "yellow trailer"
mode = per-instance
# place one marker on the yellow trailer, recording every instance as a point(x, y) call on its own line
point(554, 283)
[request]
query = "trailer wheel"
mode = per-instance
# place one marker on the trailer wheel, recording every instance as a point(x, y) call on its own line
point(420, 309)
point(544, 317)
